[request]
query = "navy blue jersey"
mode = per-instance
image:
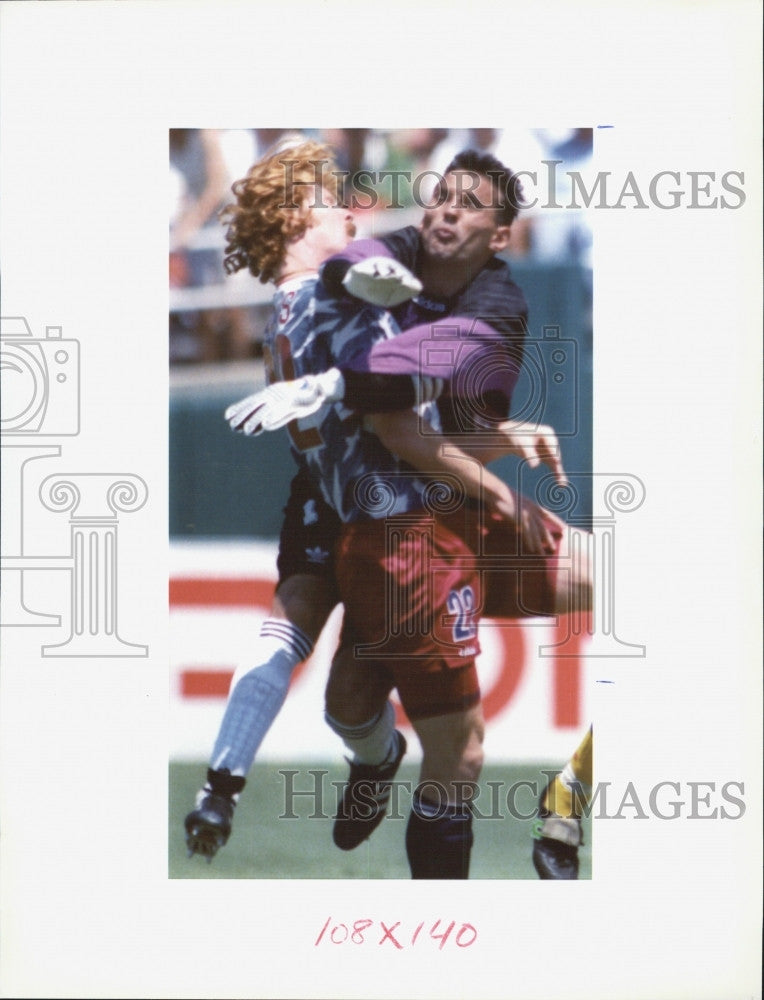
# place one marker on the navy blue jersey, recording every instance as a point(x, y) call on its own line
point(311, 331)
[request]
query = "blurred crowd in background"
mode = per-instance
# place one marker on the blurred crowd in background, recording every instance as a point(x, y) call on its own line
point(216, 318)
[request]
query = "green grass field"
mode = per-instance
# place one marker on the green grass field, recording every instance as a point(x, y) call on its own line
point(266, 844)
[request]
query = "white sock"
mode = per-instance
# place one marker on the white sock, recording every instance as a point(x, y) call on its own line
point(372, 742)
point(257, 694)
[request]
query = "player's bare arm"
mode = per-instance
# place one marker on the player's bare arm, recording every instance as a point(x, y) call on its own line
point(416, 442)
point(278, 404)
point(536, 444)
point(405, 434)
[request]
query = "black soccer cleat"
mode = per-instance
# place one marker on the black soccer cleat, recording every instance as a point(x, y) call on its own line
point(364, 800)
point(554, 859)
point(208, 826)
point(555, 844)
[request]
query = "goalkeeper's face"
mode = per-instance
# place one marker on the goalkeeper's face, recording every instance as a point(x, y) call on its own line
point(463, 223)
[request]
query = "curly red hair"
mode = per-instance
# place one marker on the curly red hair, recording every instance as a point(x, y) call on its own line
point(272, 206)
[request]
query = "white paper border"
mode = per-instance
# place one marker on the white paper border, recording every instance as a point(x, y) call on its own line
point(88, 92)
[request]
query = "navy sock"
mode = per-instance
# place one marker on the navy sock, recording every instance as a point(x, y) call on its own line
point(439, 840)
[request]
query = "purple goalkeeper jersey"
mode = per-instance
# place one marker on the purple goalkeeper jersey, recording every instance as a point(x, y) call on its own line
point(491, 295)
point(441, 334)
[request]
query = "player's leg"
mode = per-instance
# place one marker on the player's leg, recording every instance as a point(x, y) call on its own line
point(439, 832)
point(299, 612)
point(452, 753)
point(418, 614)
point(359, 710)
point(557, 830)
point(357, 693)
point(304, 599)
point(255, 698)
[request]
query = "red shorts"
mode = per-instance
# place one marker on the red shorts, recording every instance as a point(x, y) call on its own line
point(411, 591)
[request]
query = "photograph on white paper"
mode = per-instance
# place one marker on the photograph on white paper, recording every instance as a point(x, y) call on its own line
point(383, 546)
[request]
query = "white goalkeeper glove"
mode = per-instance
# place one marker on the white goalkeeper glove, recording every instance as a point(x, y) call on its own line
point(383, 281)
point(278, 404)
